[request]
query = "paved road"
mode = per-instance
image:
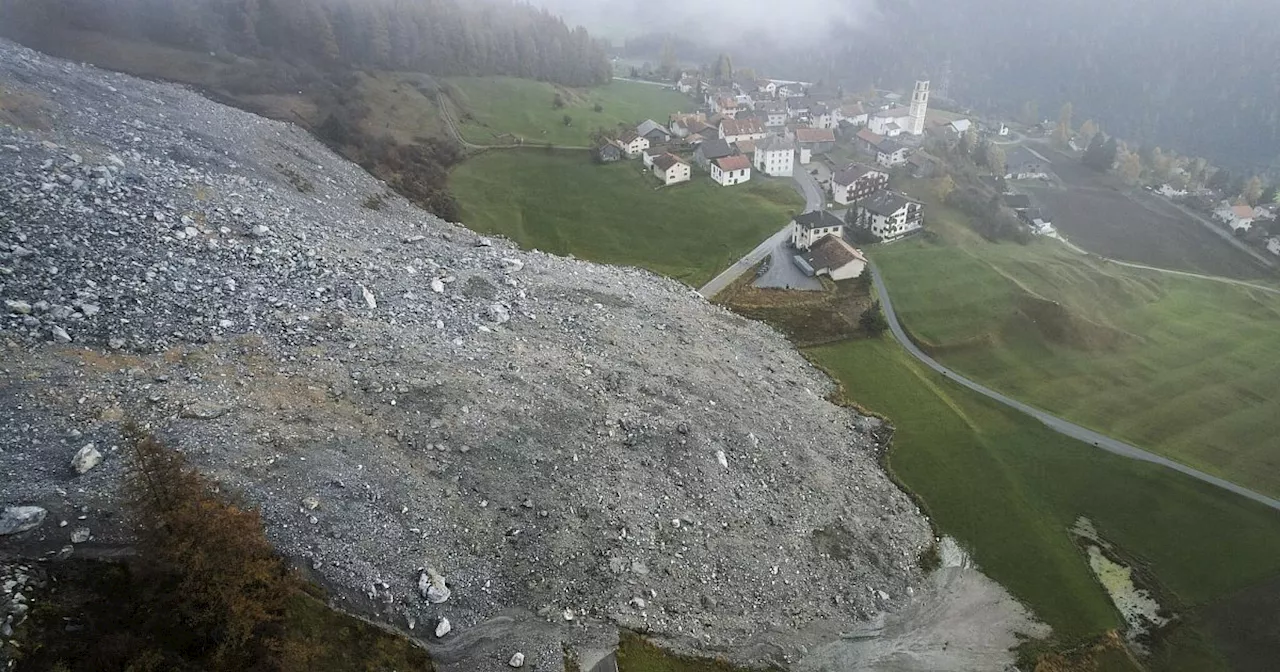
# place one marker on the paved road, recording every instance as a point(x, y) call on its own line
point(1053, 422)
point(783, 272)
point(808, 187)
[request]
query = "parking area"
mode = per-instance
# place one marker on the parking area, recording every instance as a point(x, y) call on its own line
point(783, 272)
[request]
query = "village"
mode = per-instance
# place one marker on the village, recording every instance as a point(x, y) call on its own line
point(762, 127)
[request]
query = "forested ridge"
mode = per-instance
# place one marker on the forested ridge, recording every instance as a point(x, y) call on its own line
point(440, 37)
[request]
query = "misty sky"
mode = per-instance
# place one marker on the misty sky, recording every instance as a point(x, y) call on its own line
point(726, 21)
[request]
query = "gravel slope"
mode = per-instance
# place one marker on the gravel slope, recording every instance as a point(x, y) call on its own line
point(570, 446)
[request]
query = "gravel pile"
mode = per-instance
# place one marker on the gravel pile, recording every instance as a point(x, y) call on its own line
point(437, 425)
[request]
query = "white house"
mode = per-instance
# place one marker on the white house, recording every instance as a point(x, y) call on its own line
point(1273, 246)
point(687, 84)
point(725, 106)
point(731, 170)
point(822, 116)
point(633, 143)
point(811, 227)
point(890, 154)
point(1004, 130)
point(671, 169)
point(854, 114)
point(856, 182)
point(889, 215)
point(1238, 217)
point(767, 87)
point(774, 114)
point(890, 123)
point(775, 156)
point(737, 130)
point(833, 257)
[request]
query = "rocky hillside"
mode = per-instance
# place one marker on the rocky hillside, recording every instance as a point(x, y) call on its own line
point(436, 425)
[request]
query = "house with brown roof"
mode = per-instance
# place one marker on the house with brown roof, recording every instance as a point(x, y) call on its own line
point(633, 143)
point(855, 182)
point(868, 140)
point(731, 170)
point(1238, 217)
point(680, 122)
point(812, 141)
point(746, 128)
point(833, 257)
point(671, 169)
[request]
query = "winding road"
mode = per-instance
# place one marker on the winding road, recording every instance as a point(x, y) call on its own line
point(812, 192)
point(1052, 421)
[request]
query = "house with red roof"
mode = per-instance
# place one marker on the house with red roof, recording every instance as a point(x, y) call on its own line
point(731, 170)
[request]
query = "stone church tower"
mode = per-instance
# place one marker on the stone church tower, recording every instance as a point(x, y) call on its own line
point(919, 106)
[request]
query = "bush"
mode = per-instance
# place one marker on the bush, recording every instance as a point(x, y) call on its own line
point(598, 108)
point(211, 587)
point(873, 321)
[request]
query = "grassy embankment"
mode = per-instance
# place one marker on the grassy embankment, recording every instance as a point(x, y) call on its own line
point(1009, 489)
point(564, 203)
point(494, 109)
point(1185, 367)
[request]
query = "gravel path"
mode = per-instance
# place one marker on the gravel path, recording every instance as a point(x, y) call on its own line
point(1059, 425)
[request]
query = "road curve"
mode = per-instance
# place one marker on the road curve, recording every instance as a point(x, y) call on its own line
point(1053, 422)
point(808, 187)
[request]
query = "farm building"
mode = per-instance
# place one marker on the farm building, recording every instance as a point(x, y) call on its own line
point(833, 257)
point(671, 169)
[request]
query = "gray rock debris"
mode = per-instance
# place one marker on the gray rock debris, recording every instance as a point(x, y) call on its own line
point(17, 519)
point(517, 660)
point(86, 458)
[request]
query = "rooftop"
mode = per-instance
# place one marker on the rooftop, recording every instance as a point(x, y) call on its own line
point(737, 162)
point(818, 219)
point(831, 252)
point(774, 143)
point(815, 135)
point(716, 148)
point(850, 173)
point(885, 203)
point(666, 161)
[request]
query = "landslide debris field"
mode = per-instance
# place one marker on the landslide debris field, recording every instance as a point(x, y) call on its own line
point(434, 424)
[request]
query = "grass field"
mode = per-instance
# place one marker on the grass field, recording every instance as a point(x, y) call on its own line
point(495, 108)
point(564, 203)
point(1185, 367)
point(1009, 489)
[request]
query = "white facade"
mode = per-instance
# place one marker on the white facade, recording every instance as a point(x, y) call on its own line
point(803, 238)
point(919, 108)
point(635, 146)
point(728, 178)
point(775, 161)
point(891, 159)
point(677, 172)
point(889, 124)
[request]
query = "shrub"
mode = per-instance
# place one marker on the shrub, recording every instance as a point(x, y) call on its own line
point(873, 321)
point(211, 585)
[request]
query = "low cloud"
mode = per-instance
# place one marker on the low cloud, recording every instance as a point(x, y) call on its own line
point(720, 23)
